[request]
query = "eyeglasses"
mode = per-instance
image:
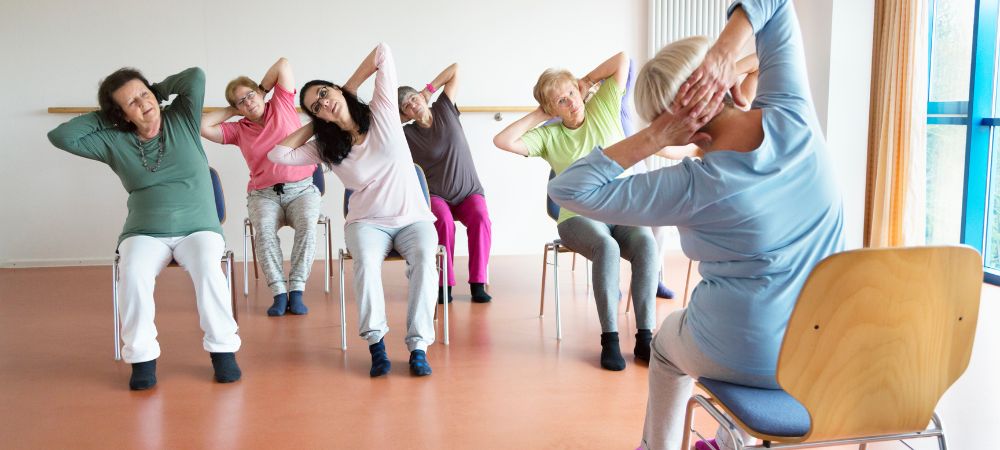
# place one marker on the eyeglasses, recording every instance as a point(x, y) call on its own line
point(320, 94)
point(250, 96)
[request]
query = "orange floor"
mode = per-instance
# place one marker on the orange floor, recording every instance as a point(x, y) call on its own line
point(505, 382)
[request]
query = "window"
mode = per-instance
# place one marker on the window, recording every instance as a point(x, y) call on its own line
point(963, 128)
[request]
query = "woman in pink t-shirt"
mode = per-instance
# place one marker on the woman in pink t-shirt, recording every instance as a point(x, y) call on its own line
point(278, 195)
point(365, 146)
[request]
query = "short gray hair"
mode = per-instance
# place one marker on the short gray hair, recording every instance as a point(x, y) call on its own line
point(661, 77)
point(404, 92)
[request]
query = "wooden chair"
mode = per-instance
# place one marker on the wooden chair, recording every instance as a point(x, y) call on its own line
point(876, 337)
point(324, 221)
point(227, 259)
point(441, 262)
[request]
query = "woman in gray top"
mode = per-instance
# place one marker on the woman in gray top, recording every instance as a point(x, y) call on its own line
point(437, 143)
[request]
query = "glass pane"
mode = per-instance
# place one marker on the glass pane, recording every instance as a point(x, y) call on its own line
point(945, 180)
point(991, 255)
point(951, 50)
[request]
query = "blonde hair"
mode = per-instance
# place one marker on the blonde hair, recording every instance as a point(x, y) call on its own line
point(661, 77)
point(547, 82)
point(237, 82)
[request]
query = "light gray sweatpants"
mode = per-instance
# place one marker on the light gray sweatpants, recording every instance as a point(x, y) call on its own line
point(604, 244)
point(269, 210)
point(675, 362)
point(417, 244)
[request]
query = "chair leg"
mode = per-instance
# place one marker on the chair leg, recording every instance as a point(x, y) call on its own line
point(232, 284)
point(114, 295)
point(555, 284)
point(688, 423)
point(444, 278)
point(326, 261)
point(545, 268)
point(246, 257)
point(687, 283)
point(942, 442)
point(573, 267)
point(343, 309)
point(628, 300)
point(253, 252)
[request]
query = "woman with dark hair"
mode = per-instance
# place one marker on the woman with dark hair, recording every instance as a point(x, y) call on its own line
point(157, 154)
point(365, 146)
point(278, 195)
point(437, 142)
point(758, 210)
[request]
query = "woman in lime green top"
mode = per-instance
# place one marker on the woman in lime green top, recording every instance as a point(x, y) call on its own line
point(156, 152)
point(583, 126)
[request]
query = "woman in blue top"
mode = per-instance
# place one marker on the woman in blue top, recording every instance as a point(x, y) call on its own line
point(758, 211)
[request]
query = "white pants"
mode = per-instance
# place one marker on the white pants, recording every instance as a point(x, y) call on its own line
point(674, 364)
point(142, 259)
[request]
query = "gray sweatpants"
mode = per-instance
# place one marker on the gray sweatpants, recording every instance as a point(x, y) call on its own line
point(675, 362)
point(297, 207)
point(417, 244)
point(604, 244)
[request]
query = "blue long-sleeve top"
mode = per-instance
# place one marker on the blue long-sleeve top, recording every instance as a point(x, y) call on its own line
point(756, 221)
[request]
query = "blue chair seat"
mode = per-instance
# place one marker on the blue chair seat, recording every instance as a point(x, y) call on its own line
point(766, 411)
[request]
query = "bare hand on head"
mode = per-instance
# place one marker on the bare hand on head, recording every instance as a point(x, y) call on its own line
point(680, 125)
point(717, 73)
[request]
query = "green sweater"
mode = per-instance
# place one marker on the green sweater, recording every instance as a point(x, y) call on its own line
point(178, 198)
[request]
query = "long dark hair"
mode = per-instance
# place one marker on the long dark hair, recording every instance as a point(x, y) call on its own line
point(333, 142)
point(110, 84)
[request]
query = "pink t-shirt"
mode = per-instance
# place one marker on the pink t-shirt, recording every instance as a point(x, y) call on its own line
point(280, 120)
point(380, 170)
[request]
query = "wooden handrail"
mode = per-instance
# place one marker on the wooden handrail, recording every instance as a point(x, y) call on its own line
point(464, 109)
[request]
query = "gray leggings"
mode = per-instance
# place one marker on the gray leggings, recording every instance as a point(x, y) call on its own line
point(298, 207)
point(604, 244)
point(417, 244)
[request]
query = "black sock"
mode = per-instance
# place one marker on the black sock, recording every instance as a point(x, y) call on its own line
point(380, 360)
point(642, 340)
point(143, 376)
point(418, 364)
point(279, 306)
point(441, 295)
point(611, 355)
point(226, 369)
point(295, 305)
point(479, 294)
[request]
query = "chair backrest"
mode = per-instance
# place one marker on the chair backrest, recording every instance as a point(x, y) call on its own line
point(220, 197)
point(551, 207)
point(628, 126)
point(878, 335)
point(319, 180)
point(420, 177)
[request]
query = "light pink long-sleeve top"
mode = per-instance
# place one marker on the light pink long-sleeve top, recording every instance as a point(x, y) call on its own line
point(380, 170)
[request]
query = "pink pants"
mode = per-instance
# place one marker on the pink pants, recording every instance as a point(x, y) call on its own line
point(473, 214)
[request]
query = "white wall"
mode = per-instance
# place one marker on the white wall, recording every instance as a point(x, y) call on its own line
point(838, 40)
point(60, 209)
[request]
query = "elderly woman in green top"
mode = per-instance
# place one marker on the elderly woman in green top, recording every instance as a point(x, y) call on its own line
point(156, 152)
point(584, 125)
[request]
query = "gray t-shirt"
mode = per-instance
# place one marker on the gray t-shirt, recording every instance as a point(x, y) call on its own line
point(443, 152)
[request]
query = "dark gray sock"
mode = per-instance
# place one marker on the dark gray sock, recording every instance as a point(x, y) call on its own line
point(642, 340)
point(380, 360)
point(479, 294)
point(611, 354)
point(418, 364)
point(279, 306)
point(226, 369)
point(295, 305)
point(143, 376)
point(441, 295)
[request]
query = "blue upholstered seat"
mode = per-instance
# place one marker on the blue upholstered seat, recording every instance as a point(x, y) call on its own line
point(766, 411)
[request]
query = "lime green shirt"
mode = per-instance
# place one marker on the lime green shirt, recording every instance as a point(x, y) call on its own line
point(561, 146)
point(175, 200)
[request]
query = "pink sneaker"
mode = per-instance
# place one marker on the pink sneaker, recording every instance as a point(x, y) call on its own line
point(706, 445)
